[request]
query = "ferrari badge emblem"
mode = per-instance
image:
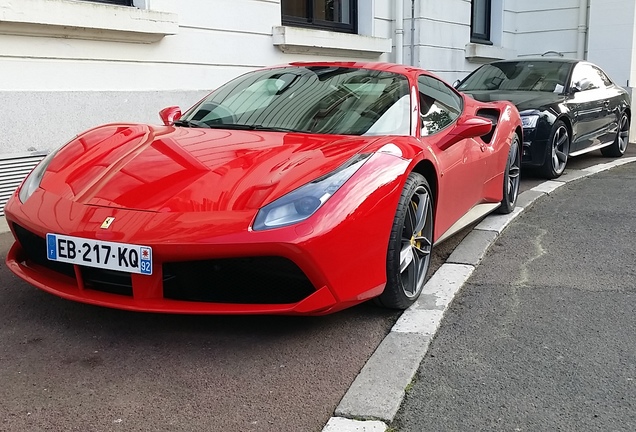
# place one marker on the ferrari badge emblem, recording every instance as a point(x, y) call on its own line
point(107, 223)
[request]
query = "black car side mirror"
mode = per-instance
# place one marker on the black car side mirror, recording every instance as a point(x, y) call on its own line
point(456, 84)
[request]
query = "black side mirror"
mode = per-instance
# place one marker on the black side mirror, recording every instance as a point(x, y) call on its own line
point(456, 84)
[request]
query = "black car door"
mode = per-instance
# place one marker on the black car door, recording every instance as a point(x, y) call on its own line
point(590, 105)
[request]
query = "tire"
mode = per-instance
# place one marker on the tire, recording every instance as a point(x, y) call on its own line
point(409, 252)
point(618, 148)
point(512, 178)
point(557, 151)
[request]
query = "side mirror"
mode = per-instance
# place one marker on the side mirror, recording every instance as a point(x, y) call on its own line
point(170, 115)
point(456, 84)
point(466, 127)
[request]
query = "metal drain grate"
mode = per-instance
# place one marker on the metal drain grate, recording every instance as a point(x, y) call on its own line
point(13, 169)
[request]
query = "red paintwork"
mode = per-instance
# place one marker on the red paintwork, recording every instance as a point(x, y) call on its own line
point(193, 194)
point(170, 115)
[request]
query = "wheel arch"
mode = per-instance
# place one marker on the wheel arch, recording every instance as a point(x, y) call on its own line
point(568, 124)
point(426, 168)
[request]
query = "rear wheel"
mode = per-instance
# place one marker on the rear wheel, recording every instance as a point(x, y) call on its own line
point(512, 177)
point(410, 245)
point(619, 146)
point(557, 152)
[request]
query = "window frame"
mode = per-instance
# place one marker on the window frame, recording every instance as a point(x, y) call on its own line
point(481, 38)
point(310, 22)
point(114, 2)
point(451, 91)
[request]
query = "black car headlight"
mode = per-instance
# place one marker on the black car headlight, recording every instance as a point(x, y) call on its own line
point(301, 203)
point(33, 180)
point(529, 121)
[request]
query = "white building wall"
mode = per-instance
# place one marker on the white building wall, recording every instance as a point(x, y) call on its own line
point(612, 39)
point(59, 78)
point(545, 25)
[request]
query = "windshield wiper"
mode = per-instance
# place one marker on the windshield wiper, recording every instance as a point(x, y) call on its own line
point(253, 127)
point(191, 123)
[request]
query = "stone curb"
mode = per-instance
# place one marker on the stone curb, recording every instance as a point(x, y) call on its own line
point(377, 392)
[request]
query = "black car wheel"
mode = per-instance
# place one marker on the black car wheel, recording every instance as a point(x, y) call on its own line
point(558, 150)
point(410, 245)
point(619, 146)
point(512, 177)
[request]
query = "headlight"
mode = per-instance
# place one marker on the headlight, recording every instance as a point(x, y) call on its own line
point(32, 182)
point(529, 121)
point(301, 203)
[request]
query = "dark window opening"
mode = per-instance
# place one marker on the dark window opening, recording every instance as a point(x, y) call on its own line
point(335, 15)
point(480, 21)
point(115, 2)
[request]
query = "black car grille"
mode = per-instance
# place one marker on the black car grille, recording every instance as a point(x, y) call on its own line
point(35, 248)
point(257, 280)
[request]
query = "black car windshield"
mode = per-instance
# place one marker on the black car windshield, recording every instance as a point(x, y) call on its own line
point(544, 76)
point(312, 99)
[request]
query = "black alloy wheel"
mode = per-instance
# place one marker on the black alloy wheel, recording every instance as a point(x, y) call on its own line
point(410, 245)
point(512, 178)
point(558, 150)
point(619, 146)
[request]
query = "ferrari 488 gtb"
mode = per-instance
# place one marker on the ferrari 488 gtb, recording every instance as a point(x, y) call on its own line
point(300, 189)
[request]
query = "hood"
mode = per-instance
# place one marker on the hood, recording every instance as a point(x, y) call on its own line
point(171, 169)
point(523, 100)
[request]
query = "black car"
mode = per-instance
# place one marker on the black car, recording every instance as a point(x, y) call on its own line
point(568, 107)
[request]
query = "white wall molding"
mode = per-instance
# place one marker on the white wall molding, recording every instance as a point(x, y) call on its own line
point(479, 53)
point(85, 20)
point(297, 40)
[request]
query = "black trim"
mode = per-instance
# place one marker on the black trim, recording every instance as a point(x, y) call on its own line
point(115, 2)
point(310, 22)
point(482, 38)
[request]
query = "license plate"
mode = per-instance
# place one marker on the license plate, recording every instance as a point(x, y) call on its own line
point(123, 257)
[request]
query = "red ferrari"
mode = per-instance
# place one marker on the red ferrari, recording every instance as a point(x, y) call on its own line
point(300, 189)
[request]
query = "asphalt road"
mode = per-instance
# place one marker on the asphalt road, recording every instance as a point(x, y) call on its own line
point(68, 366)
point(541, 338)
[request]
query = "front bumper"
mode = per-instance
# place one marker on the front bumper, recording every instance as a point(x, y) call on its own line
point(534, 149)
point(338, 255)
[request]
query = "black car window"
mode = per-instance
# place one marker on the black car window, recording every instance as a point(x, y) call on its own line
point(586, 77)
point(602, 75)
point(311, 99)
point(439, 105)
point(522, 75)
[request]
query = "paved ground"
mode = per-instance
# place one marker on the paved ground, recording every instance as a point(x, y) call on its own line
point(542, 335)
point(67, 366)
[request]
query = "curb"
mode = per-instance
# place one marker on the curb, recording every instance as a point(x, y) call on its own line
point(377, 392)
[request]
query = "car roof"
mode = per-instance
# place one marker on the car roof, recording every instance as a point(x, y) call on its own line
point(387, 67)
point(539, 59)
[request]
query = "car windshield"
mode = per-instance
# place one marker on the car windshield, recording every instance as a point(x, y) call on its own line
point(312, 99)
point(545, 76)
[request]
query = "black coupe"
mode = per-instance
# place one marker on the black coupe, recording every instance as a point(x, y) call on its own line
point(568, 107)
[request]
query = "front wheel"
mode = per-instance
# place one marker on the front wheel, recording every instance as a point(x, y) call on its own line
point(512, 177)
point(619, 146)
point(410, 245)
point(557, 152)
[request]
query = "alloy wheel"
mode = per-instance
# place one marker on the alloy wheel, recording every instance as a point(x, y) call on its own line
point(623, 134)
point(560, 147)
point(514, 173)
point(417, 235)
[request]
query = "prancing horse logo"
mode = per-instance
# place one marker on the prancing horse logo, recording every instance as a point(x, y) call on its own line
point(107, 223)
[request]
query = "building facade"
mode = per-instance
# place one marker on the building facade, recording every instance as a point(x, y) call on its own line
point(67, 65)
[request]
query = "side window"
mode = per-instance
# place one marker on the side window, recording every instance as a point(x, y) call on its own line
point(439, 105)
point(606, 81)
point(586, 77)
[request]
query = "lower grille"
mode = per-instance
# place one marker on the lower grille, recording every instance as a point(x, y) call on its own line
point(35, 248)
point(110, 281)
point(257, 280)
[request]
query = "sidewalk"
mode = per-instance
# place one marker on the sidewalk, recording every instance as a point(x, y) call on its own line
point(539, 338)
